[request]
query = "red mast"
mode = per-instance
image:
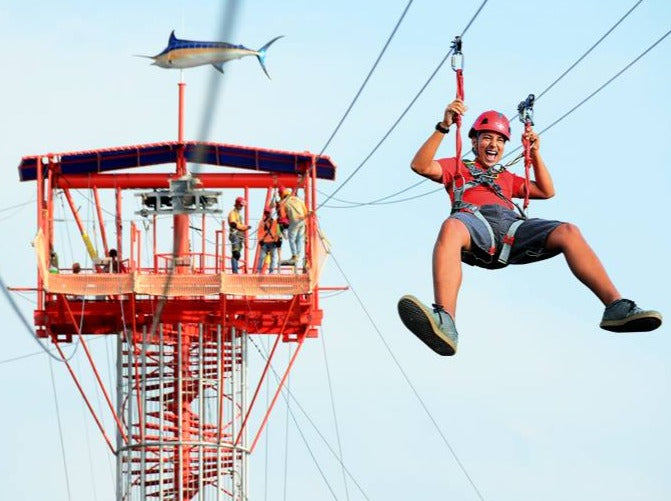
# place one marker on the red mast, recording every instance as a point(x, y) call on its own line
point(181, 221)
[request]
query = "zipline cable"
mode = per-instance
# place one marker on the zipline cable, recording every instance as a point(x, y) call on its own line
point(391, 202)
point(35, 353)
point(23, 296)
point(17, 206)
point(21, 357)
point(601, 87)
point(405, 111)
point(16, 209)
point(373, 202)
point(603, 37)
point(370, 73)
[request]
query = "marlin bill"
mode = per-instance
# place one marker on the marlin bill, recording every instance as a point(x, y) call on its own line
point(190, 53)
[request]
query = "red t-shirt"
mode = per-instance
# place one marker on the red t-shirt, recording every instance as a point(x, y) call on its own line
point(511, 185)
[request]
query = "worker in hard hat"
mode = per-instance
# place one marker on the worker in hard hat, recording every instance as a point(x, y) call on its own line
point(268, 236)
point(236, 234)
point(293, 212)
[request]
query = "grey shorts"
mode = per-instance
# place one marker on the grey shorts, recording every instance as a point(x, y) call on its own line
point(529, 244)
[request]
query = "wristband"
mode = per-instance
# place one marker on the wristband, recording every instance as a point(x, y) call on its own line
point(441, 129)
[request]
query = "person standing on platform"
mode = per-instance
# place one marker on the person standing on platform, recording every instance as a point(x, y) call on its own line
point(236, 233)
point(268, 236)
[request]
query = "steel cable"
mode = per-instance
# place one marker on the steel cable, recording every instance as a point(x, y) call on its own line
point(370, 73)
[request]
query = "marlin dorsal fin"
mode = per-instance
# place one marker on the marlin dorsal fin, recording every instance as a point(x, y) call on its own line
point(172, 38)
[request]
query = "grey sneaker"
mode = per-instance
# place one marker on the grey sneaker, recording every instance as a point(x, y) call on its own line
point(624, 316)
point(289, 262)
point(435, 328)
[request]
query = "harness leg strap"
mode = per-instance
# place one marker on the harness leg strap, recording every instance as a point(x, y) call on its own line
point(508, 241)
point(492, 241)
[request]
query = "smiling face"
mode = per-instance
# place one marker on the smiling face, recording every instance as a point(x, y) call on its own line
point(488, 147)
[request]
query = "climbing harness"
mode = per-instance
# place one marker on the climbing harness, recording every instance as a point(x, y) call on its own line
point(486, 178)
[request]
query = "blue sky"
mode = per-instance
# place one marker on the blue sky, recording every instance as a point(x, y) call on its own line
point(539, 403)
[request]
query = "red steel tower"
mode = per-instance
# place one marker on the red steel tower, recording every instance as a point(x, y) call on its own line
point(185, 408)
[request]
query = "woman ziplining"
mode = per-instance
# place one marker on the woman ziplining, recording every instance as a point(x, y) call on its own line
point(484, 230)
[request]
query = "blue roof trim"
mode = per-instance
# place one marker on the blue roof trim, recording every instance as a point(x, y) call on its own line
point(223, 155)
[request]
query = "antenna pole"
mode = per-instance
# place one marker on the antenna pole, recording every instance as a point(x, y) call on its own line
point(181, 244)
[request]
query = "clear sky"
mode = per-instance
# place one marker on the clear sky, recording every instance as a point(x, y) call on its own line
point(539, 403)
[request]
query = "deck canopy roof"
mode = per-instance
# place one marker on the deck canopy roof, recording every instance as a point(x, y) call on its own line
point(206, 153)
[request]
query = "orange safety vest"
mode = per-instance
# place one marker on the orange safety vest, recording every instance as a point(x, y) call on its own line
point(268, 232)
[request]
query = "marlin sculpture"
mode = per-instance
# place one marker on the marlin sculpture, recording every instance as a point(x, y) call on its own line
point(189, 53)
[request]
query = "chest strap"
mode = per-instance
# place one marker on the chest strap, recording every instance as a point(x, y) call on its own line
point(483, 178)
point(480, 177)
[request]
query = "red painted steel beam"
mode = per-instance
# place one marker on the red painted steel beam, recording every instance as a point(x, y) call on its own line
point(253, 315)
point(157, 180)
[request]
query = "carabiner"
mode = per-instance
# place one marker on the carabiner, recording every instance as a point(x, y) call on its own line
point(457, 60)
point(525, 110)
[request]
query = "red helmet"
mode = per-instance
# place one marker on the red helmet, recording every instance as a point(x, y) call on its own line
point(240, 201)
point(493, 121)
